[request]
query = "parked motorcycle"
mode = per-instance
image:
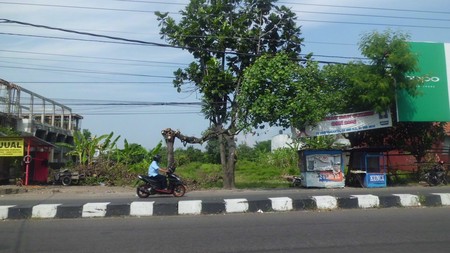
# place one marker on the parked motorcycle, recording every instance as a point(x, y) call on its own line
point(152, 186)
point(436, 176)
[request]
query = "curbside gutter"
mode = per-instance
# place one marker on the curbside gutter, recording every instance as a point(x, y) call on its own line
point(226, 206)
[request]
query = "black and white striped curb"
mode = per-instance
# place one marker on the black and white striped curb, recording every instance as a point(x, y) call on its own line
point(238, 205)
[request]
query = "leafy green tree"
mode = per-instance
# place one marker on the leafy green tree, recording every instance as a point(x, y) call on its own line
point(225, 37)
point(391, 60)
point(84, 146)
point(245, 152)
point(263, 146)
point(189, 155)
point(279, 91)
point(131, 153)
point(212, 150)
point(8, 131)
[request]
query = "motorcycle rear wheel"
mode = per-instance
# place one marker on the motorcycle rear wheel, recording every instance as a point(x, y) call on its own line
point(179, 190)
point(142, 192)
point(432, 181)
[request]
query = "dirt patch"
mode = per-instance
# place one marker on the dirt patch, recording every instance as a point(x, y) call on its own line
point(73, 189)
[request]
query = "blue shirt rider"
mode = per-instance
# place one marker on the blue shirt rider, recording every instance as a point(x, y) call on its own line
point(154, 170)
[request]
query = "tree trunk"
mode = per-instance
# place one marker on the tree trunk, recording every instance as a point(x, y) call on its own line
point(228, 158)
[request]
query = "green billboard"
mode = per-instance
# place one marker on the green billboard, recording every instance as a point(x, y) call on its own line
point(432, 104)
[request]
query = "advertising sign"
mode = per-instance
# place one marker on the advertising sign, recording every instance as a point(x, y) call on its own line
point(375, 180)
point(11, 147)
point(432, 104)
point(350, 122)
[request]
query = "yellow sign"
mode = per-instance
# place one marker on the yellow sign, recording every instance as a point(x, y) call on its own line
point(11, 147)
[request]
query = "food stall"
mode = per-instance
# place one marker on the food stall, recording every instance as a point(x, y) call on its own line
point(322, 168)
point(35, 154)
point(368, 167)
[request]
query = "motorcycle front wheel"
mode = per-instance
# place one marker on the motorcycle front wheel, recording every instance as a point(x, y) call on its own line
point(179, 190)
point(142, 192)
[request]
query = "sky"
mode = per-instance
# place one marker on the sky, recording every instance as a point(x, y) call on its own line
point(117, 86)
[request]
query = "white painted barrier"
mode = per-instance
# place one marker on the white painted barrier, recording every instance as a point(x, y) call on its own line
point(445, 198)
point(325, 202)
point(4, 212)
point(281, 204)
point(94, 210)
point(236, 205)
point(367, 201)
point(190, 207)
point(44, 210)
point(141, 208)
point(407, 200)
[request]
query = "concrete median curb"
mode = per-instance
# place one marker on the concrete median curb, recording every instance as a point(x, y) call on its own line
point(225, 206)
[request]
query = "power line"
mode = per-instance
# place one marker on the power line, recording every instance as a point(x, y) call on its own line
point(91, 57)
point(368, 8)
point(373, 16)
point(376, 24)
point(87, 72)
point(78, 7)
point(93, 82)
point(138, 41)
point(289, 3)
point(87, 34)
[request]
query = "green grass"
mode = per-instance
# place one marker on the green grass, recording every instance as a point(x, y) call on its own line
point(248, 174)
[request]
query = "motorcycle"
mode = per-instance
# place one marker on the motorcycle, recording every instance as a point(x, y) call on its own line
point(152, 186)
point(436, 175)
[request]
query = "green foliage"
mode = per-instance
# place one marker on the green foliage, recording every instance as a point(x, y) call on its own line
point(391, 61)
point(279, 91)
point(318, 142)
point(85, 146)
point(213, 151)
point(9, 131)
point(245, 152)
point(201, 175)
point(188, 155)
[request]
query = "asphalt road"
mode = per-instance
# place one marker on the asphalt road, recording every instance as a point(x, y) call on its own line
point(375, 230)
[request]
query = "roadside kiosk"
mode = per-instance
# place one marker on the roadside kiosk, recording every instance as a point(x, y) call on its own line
point(369, 167)
point(322, 168)
point(35, 154)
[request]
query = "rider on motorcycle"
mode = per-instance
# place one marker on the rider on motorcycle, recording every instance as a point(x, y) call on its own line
point(154, 170)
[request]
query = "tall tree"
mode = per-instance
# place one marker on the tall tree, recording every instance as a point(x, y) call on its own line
point(280, 91)
point(225, 37)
